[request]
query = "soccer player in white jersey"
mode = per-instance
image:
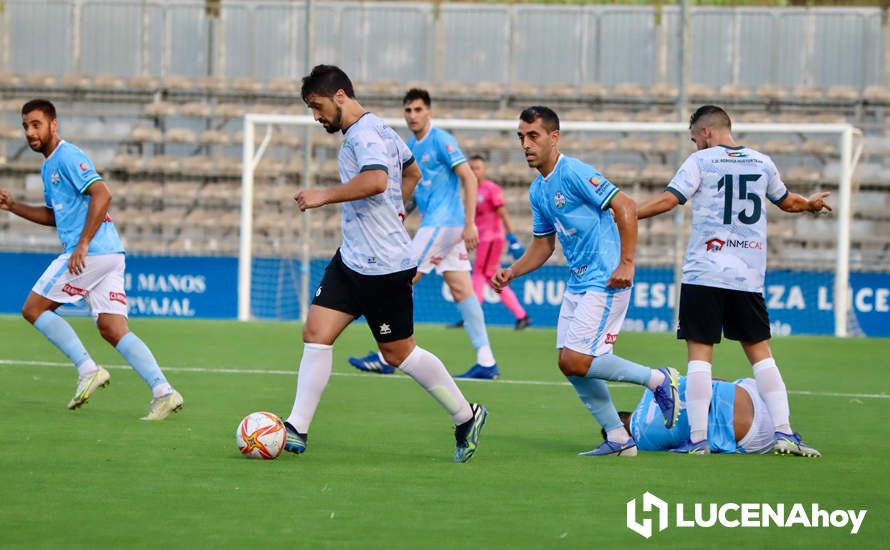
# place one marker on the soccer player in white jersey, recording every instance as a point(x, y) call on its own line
point(91, 266)
point(722, 285)
point(597, 228)
point(738, 420)
point(447, 228)
point(372, 271)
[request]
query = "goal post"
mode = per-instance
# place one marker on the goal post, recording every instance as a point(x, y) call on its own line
point(254, 149)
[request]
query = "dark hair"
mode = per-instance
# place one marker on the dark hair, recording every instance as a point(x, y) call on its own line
point(417, 93)
point(477, 156)
point(717, 116)
point(42, 105)
point(326, 81)
point(548, 117)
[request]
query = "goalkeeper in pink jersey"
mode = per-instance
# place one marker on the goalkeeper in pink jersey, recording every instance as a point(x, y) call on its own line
point(491, 219)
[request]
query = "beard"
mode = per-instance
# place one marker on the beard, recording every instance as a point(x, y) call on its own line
point(335, 125)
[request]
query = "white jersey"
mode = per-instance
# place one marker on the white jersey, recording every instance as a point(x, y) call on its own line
point(727, 187)
point(375, 241)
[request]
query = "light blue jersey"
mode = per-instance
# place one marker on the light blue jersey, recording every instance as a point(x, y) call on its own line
point(573, 202)
point(647, 422)
point(67, 174)
point(438, 193)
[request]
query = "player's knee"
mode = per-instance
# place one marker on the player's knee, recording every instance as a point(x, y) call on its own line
point(111, 331)
point(394, 357)
point(313, 335)
point(30, 313)
point(573, 364)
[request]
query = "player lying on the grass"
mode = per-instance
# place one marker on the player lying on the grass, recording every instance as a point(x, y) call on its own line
point(91, 267)
point(723, 273)
point(597, 228)
point(738, 421)
point(371, 273)
point(447, 229)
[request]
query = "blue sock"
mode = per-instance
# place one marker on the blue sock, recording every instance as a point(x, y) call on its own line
point(595, 396)
point(140, 358)
point(612, 367)
point(60, 333)
point(474, 321)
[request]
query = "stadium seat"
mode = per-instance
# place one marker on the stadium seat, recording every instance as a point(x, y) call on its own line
point(110, 82)
point(663, 91)
point(10, 80)
point(636, 144)
point(143, 83)
point(160, 109)
point(657, 173)
point(560, 91)
point(180, 135)
point(247, 85)
point(807, 93)
point(655, 116)
point(213, 137)
point(284, 86)
point(145, 135)
point(701, 92)
point(802, 174)
point(197, 165)
point(177, 83)
point(627, 90)
point(212, 83)
point(197, 109)
point(75, 81)
point(38, 80)
point(592, 90)
point(780, 146)
point(771, 92)
point(877, 94)
point(524, 90)
point(819, 147)
point(162, 164)
point(843, 93)
point(621, 172)
point(230, 110)
point(735, 92)
point(488, 90)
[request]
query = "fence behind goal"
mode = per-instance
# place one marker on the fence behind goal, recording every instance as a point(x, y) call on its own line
point(809, 285)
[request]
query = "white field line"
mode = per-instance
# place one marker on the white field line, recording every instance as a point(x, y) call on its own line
point(203, 370)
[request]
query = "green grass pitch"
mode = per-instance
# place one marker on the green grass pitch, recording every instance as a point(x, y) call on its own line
point(378, 473)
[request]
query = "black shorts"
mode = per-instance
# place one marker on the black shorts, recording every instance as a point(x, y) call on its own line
point(706, 312)
point(386, 301)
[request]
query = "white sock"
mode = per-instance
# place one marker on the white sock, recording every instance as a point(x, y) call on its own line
point(698, 398)
point(86, 368)
point(618, 435)
point(161, 390)
point(315, 369)
point(484, 356)
point(771, 388)
point(427, 370)
point(655, 379)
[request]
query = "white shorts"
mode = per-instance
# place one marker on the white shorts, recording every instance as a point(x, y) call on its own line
point(101, 284)
point(589, 322)
point(441, 248)
point(762, 435)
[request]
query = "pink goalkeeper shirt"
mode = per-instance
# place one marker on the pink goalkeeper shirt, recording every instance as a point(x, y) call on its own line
point(489, 199)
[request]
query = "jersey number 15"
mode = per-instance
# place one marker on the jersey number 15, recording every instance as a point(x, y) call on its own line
point(744, 217)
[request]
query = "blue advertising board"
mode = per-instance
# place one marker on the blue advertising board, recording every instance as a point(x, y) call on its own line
point(206, 287)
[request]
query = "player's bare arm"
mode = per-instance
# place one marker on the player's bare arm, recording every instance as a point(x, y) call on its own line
point(505, 218)
point(656, 205)
point(411, 176)
point(537, 253)
point(100, 200)
point(471, 190)
point(366, 184)
point(36, 214)
point(797, 203)
point(624, 210)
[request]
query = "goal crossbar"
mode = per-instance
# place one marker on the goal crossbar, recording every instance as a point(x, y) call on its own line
point(849, 155)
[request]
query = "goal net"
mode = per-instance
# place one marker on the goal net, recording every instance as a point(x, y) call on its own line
point(283, 252)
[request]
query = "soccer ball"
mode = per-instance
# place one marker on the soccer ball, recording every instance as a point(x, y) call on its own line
point(261, 435)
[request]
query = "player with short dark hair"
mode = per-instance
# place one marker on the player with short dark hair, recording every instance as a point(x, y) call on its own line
point(492, 220)
point(597, 228)
point(91, 267)
point(447, 229)
point(722, 285)
point(371, 274)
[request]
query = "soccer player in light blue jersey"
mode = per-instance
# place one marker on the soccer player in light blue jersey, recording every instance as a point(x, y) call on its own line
point(447, 229)
point(91, 266)
point(597, 228)
point(722, 288)
point(738, 420)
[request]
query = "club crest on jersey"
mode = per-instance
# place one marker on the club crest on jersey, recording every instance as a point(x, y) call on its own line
point(55, 177)
point(714, 245)
point(736, 154)
point(425, 158)
point(559, 200)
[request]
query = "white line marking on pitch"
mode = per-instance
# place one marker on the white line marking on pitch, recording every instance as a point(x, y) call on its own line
point(12, 362)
